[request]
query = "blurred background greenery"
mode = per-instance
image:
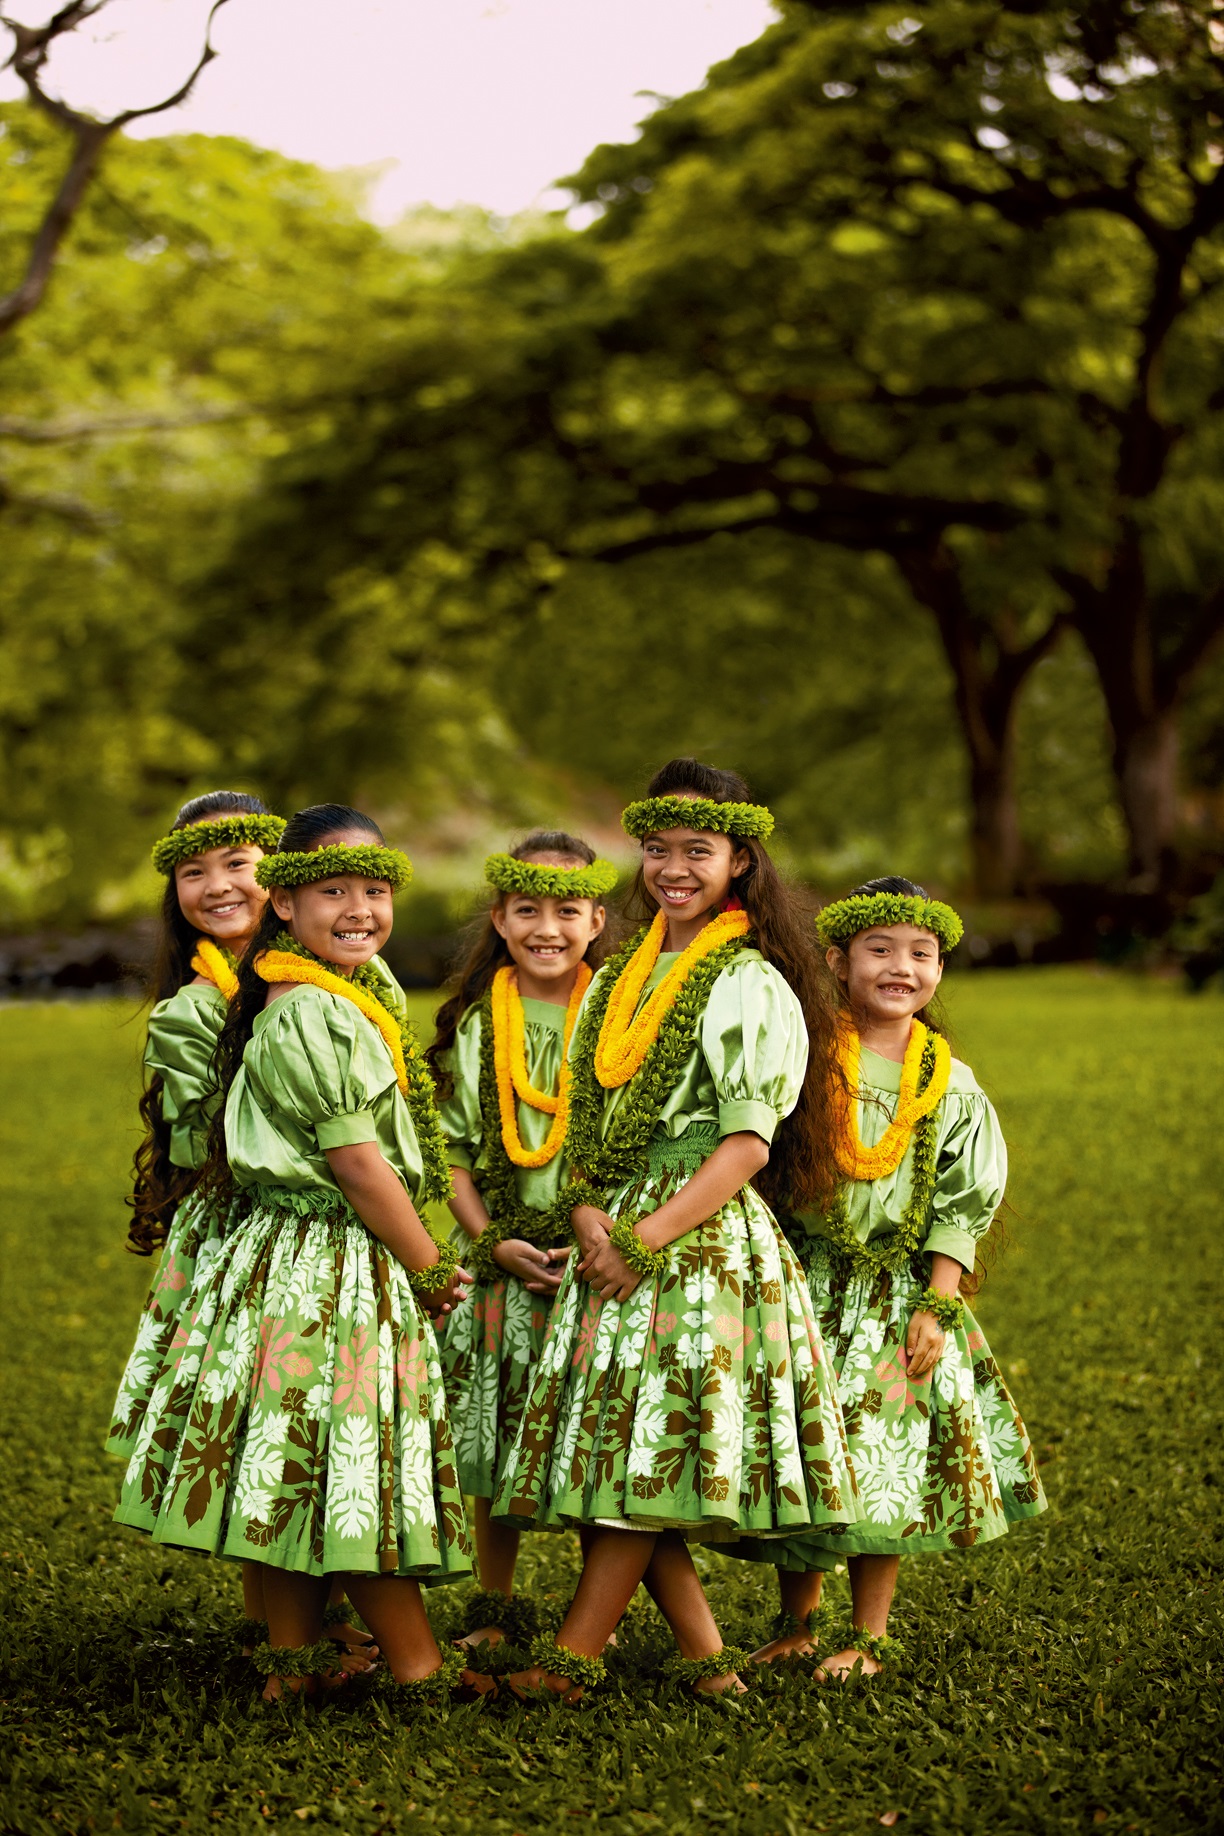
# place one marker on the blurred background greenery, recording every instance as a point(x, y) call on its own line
point(868, 439)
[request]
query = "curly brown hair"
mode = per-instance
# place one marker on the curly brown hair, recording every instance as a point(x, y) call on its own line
point(799, 1174)
point(484, 951)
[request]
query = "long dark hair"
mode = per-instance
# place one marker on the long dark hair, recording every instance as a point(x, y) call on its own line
point(484, 951)
point(799, 1174)
point(158, 1186)
point(305, 832)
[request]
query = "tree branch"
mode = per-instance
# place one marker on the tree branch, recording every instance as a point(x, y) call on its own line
point(32, 49)
point(53, 503)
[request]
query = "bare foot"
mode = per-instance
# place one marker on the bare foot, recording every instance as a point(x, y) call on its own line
point(729, 1685)
point(791, 1644)
point(492, 1636)
point(530, 1685)
point(843, 1664)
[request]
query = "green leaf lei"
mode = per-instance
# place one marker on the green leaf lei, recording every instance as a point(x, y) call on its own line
point(421, 1098)
point(845, 918)
point(303, 869)
point(506, 873)
point(652, 814)
point(896, 1249)
point(236, 831)
point(948, 1309)
point(509, 1215)
point(605, 1162)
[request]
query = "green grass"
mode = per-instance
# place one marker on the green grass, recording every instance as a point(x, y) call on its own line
point(1066, 1679)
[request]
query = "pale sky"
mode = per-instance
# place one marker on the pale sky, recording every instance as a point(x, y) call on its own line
point(477, 101)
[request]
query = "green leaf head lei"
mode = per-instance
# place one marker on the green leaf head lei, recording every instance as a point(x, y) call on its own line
point(506, 874)
point(237, 831)
point(741, 821)
point(367, 861)
point(845, 918)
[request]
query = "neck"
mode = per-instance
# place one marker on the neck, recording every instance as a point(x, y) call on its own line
point(238, 946)
point(555, 991)
point(681, 931)
point(887, 1037)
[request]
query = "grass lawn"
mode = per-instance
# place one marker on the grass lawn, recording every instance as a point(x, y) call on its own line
point(1066, 1679)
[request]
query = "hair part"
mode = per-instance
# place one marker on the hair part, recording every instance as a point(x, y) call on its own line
point(799, 1173)
point(305, 832)
point(158, 1186)
point(483, 951)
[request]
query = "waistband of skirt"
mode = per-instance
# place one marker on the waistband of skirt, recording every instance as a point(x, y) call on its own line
point(315, 1205)
point(682, 1153)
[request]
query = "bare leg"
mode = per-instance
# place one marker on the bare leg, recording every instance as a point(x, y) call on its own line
point(798, 1595)
point(294, 1606)
point(497, 1547)
point(392, 1607)
point(252, 1598)
point(615, 1562)
point(675, 1587)
point(347, 1636)
point(873, 1579)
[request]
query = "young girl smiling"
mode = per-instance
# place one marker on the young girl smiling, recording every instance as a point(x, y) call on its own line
point(682, 1391)
point(499, 1058)
point(941, 1456)
point(301, 1422)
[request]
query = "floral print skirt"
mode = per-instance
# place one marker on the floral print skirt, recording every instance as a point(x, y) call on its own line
point(192, 1245)
point(490, 1346)
point(298, 1417)
point(942, 1461)
point(704, 1403)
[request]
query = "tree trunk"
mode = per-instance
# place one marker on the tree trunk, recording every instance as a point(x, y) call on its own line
point(1145, 760)
point(988, 678)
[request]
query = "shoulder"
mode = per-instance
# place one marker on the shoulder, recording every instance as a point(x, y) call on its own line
point(961, 1081)
point(748, 975)
point(196, 1005)
point(471, 1025)
point(306, 1014)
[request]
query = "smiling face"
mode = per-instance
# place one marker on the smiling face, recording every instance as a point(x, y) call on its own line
point(547, 938)
point(218, 896)
point(344, 920)
point(889, 971)
point(688, 872)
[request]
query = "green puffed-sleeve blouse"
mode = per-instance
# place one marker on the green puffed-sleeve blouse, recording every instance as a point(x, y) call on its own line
point(970, 1164)
point(183, 1034)
point(746, 1068)
point(316, 1074)
point(462, 1123)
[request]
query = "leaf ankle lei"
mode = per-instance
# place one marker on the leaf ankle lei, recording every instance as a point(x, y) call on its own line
point(420, 1689)
point(605, 1162)
point(717, 1664)
point(315, 1660)
point(896, 1249)
point(881, 1647)
point(415, 1081)
point(560, 1661)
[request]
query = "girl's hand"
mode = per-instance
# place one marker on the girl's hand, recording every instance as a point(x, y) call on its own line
point(440, 1301)
point(924, 1343)
point(608, 1272)
point(591, 1228)
point(532, 1266)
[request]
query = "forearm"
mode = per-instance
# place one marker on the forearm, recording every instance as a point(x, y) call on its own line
point(380, 1201)
point(467, 1206)
point(732, 1164)
point(946, 1272)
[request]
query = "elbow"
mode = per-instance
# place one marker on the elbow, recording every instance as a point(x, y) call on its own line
point(758, 1152)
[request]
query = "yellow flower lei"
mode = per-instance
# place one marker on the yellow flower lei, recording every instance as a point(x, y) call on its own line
point(625, 1039)
point(510, 1061)
point(214, 966)
point(280, 966)
point(854, 1161)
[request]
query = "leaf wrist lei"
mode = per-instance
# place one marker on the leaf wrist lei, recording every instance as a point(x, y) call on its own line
point(237, 831)
point(948, 1309)
point(217, 965)
point(503, 1077)
point(645, 1262)
point(845, 918)
point(507, 874)
point(601, 1161)
point(290, 961)
point(744, 821)
point(372, 863)
point(896, 1249)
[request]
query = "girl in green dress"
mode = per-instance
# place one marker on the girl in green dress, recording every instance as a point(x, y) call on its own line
point(683, 1392)
point(498, 1060)
point(940, 1454)
point(299, 1420)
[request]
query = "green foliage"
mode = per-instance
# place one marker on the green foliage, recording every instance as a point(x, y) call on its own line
point(1062, 1679)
